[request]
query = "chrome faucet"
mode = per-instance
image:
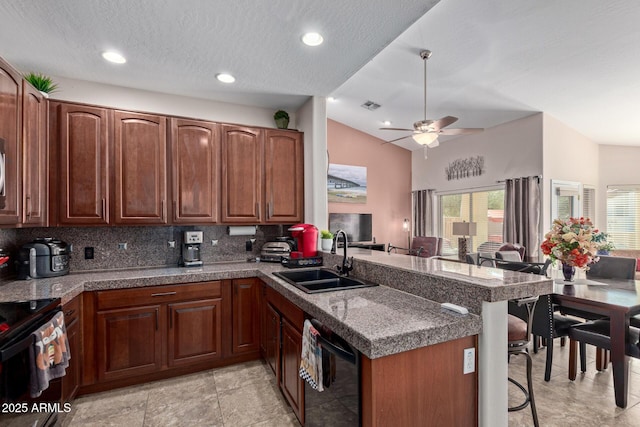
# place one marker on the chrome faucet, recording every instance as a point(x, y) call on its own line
point(347, 264)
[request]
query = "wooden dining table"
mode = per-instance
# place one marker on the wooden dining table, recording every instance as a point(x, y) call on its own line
point(616, 299)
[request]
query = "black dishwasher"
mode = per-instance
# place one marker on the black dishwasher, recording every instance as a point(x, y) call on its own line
point(339, 405)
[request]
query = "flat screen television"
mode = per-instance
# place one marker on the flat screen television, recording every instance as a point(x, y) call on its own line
point(357, 226)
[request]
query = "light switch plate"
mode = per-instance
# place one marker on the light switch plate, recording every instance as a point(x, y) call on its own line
point(469, 365)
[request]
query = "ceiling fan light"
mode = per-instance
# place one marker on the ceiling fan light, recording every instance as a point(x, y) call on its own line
point(425, 138)
point(435, 143)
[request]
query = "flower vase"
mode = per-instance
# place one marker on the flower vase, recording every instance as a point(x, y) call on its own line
point(569, 272)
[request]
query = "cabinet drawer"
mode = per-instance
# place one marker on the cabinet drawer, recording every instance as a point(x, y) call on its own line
point(72, 310)
point(157, 294)
point(288, 309)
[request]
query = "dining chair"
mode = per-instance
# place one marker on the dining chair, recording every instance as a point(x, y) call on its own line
point(426, 246)
point(520, 324)
point(513, 247)
point(508, 255)
point(613, 267)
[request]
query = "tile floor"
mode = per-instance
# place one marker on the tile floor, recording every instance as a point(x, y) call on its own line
point(246, 395)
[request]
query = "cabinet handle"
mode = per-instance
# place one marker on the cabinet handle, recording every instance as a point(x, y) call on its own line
point(163, 294)
point(157, 327)
point(268, 210)
point(28, 206)
point(104, 207)
point(162, 209)
point(175, 209)
point(170, 318)
point(245, 286)
point(69, 312)
point(257, 210)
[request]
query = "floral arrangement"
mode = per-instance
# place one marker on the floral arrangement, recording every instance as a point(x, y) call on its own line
point(571, 241)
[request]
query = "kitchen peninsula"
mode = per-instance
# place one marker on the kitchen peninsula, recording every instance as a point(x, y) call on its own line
point(402, 317)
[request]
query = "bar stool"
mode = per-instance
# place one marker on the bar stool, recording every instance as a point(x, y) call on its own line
point(520, 323)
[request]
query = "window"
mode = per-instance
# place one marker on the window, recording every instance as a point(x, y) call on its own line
point(485, 208)
point(623, 216)
point(565, 199)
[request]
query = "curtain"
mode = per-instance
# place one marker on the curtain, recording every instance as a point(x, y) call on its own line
point(522, 215)
point(423, 213)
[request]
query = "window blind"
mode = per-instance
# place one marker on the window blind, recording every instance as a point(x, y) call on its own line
point(623, 216)
point(589, 203)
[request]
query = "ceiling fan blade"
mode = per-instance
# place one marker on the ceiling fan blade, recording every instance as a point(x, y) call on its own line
point(443, 122)
point(408, 130)
point(461, 131)
point(397, 139)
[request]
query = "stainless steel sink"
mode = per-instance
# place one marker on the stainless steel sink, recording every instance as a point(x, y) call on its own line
point(321, 280)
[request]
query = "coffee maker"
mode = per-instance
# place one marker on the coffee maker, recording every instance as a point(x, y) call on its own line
point(306, 238)
point(191, 241)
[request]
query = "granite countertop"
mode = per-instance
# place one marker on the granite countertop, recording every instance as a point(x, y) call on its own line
point(403, 315)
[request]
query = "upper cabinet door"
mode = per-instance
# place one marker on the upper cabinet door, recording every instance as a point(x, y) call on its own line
point(195, 171)
point(82, 165)
point(140, 162)
point(34, 137)
point(10, 144)
point(242, 149)
point(284, 177)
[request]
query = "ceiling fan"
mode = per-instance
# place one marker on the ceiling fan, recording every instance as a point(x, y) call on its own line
point(425, 132)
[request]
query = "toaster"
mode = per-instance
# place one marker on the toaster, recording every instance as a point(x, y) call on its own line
point(44, 257)
point(275, 251)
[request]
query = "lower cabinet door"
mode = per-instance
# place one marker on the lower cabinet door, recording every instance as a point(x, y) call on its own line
point(291, 383)
point(272, 326)
point(129, 342)
point(71, 379)
point(245, 316)
point(194, 333)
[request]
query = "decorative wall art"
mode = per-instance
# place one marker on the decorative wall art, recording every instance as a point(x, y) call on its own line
point(347, 184)
point(465, 168)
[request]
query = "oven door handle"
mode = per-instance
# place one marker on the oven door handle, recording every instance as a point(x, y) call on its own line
point(22, 344)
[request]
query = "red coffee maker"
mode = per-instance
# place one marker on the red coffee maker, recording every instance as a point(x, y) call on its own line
point(306, 237)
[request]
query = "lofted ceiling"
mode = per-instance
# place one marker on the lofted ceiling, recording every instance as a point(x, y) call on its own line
point(493, 61)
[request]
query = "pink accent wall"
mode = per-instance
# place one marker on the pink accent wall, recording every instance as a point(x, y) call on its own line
point(388, 180)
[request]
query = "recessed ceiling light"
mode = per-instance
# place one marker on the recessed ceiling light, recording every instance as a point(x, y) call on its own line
point(114, 57)
point(331, 99)
point(312, 39)
point(225, 78)
point(386, 123)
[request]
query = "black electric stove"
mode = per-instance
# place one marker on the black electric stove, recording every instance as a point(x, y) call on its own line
point(16, 316)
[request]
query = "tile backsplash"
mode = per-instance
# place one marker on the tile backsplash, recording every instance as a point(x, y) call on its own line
point(146, 246)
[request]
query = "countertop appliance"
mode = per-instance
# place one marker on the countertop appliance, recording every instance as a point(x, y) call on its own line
point(276, 250)
point(191, 241)
point(340, 404)
point(306, 237)
point(18, 320)
point(44, 257)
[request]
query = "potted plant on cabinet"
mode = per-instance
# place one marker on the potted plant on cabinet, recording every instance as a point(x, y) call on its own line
point(326, 240)
point(41, 82)
point(282, 119)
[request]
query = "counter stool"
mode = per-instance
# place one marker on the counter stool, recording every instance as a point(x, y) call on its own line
point(520, 323)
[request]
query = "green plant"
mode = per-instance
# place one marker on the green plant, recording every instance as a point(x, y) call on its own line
point(602, 242)
point(41, 82)
point(281, 114)
point(326, 234)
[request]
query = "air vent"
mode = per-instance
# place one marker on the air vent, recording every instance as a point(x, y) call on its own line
point(370, 105)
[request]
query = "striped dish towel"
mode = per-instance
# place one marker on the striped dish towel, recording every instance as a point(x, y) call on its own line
point(311, 358)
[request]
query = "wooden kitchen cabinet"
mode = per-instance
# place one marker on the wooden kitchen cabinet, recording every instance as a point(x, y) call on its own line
point(272, 339)
point(284, 177)
point(129, 342)
point(291, 384)
point(10, 144)
point(245, 316)
point(195, 171)
point(35, 156)
point(79, 171)
point(195, 332)
point(73, 321)
point(242, 171)
point(140, 167)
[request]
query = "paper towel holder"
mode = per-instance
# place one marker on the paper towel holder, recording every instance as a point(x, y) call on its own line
point(242, 230)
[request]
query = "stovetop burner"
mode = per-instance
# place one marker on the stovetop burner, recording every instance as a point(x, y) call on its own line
point(14, 316)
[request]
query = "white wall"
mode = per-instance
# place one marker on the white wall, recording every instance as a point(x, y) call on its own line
point(618, 165)
point(510, 150)
point(155, 102)
point(312, 120)
point(568, 156)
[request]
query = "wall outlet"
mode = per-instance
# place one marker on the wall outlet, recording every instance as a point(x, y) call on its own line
point(469, 361)
point(122, 245)
point(88, 252)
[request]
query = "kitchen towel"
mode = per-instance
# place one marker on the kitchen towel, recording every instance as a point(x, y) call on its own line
point(311, 357)
point(49, 354)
